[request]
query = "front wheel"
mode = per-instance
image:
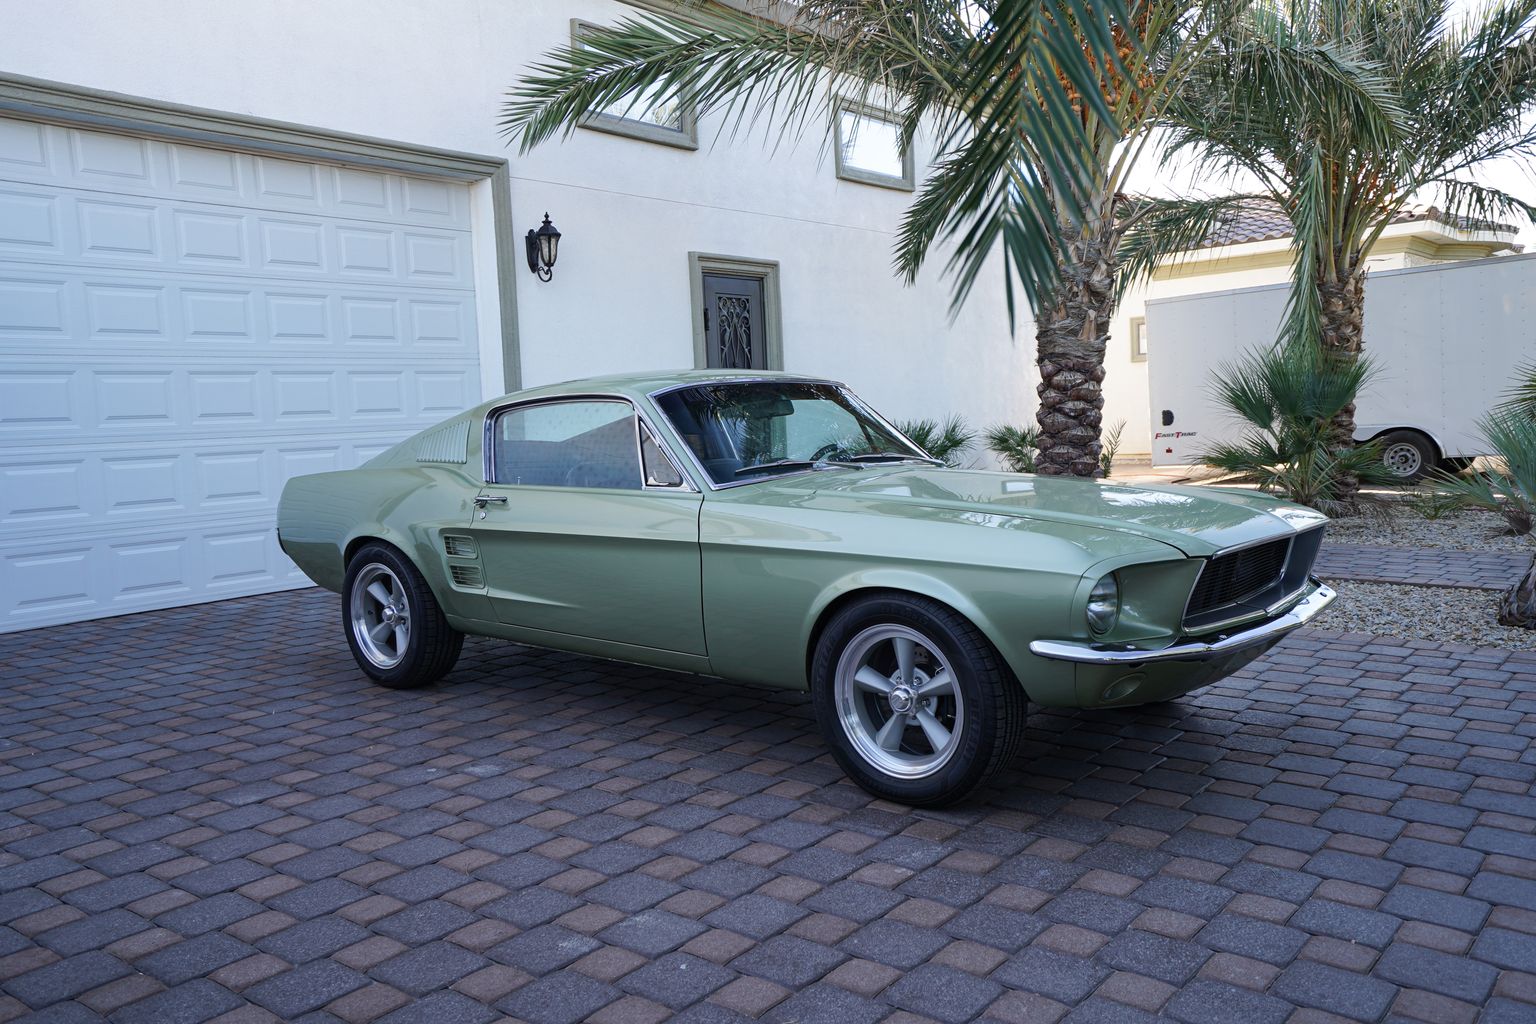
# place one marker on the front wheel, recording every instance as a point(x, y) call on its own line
point(915, 703)
point(396, 630)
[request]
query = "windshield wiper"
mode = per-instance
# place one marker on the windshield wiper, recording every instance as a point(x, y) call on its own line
point(778, 465)
point(893, 457)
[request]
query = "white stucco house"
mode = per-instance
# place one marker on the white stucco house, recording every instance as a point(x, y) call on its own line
point(1250, 250)
point(244, 241)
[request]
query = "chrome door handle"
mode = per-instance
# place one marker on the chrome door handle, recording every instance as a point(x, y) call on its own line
point(482, 500)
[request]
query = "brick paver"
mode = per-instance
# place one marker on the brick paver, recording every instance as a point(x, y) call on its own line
point(1428, 567)
point(208, 814)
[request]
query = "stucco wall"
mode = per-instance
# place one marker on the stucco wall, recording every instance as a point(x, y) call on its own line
point(433, 75)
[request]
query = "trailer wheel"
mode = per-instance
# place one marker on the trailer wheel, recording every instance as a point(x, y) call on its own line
point(1407, 454)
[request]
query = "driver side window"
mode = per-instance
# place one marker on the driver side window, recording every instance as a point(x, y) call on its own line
point(567, 444)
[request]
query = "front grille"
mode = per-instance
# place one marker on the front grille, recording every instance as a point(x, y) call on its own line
point(1234, 577)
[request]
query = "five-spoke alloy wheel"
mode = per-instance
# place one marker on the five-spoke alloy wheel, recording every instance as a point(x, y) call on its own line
point(396, 629)
point(916, 705)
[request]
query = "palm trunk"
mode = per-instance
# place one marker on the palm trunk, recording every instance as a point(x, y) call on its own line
point(1518, 608)
point(1071, 336)
point(1343, 324)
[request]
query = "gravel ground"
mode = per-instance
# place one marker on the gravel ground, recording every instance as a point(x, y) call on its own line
point(1437, 614)
point(1400, 527)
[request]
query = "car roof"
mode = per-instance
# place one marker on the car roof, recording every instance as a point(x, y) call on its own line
point(640, 384)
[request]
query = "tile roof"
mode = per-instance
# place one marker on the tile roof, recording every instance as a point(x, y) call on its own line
point(1262, 221)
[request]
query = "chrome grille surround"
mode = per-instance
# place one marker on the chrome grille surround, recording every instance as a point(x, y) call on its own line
point(1250, 581)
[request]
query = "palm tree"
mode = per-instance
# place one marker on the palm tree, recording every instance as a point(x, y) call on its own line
point(1039, 108)
point(1448, 98)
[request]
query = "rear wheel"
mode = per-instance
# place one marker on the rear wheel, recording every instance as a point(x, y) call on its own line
point(1407, 454)
point(915, 703)
point(394, 625)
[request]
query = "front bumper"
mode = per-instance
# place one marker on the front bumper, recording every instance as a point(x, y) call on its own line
point(1265, 634)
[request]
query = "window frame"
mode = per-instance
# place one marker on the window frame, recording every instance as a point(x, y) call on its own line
point(1137, 356)
point(641, 421)
point(754, 378)
point(907, 182)
point(684, 137)
point(767, 271)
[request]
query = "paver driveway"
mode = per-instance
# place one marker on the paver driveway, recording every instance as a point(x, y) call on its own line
point(208, 813)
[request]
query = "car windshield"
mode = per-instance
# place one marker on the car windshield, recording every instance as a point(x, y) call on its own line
point(750, 430)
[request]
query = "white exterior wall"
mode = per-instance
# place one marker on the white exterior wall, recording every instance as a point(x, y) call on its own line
point(630, 211)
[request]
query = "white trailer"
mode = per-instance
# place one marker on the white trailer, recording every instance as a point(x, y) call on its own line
point(1446, 341)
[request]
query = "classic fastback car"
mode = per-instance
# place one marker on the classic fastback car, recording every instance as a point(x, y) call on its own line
point(772, 529)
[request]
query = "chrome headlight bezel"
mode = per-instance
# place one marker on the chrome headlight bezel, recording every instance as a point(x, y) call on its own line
point(1103, 608)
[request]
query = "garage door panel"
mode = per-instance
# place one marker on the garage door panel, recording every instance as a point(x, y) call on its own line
point(120, 404)
point(87, 161)
point(161, 569)
point(184, 329)
point(204, 314)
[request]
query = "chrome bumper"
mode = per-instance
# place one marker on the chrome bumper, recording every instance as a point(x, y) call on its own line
point(1089, 653)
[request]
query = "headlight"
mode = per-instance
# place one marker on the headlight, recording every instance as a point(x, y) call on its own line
point(1104, 604)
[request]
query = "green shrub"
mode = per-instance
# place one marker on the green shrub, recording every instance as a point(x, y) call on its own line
point(947, 441)
point(1287, 396)
point(1014, 445)
point(1510, 491)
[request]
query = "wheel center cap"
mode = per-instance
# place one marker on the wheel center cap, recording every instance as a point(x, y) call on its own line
point(903, 699)
point(389, 613)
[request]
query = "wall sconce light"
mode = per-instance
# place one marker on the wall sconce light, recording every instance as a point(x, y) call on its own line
point(543, 248)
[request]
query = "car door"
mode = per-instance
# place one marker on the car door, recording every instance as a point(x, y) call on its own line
point(587, 528)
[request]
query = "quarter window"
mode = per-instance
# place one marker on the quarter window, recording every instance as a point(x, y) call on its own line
point(567, 444)
point(869, 148)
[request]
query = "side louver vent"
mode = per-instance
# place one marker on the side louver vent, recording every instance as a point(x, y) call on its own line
point(467, 576)
point(447, 443)
point(459, 547)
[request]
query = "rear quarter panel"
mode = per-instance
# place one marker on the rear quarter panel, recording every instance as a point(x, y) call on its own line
point(321, 516)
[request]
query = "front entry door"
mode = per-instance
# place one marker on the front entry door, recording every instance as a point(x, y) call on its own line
point(588, 542)
point(734, 332)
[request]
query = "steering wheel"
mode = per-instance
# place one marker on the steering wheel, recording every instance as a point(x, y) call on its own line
point(579, 474)
point(825, 450)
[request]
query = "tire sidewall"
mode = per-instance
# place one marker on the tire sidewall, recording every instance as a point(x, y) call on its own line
point(1428, 456)
point(408, 671)
point(968, 765)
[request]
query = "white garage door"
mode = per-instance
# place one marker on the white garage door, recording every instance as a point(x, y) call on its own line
point(184, 328)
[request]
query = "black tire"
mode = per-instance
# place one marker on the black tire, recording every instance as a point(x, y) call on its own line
point(987, 702)
point(1408, 455)
point(431, 646)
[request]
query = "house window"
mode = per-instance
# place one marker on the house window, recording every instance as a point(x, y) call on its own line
point(1138, 339)
point(868, 147)
point(646, 115)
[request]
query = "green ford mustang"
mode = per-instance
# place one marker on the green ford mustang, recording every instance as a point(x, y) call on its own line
point(772, 529)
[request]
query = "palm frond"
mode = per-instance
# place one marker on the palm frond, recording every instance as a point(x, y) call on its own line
point(1509, 490)
point(1286, 397)
point(1002, 92)
point(1159, 231)
point(1521, 395)
point(1016, 446)
point(947, 440)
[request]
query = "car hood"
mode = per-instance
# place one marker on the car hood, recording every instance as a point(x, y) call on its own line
point(1198, 521)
